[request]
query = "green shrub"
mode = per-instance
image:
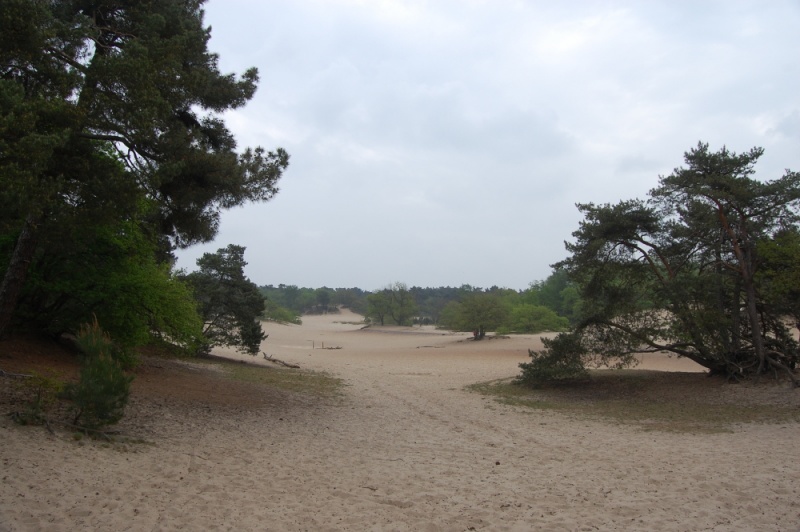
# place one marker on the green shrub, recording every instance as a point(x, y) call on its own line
point(100, 395)
point(560, 360)
point(278, 314)
point(93, 340)
point(527, 318)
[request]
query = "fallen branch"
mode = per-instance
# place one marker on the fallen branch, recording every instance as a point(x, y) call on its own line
point(278, 361)
point(4, 373)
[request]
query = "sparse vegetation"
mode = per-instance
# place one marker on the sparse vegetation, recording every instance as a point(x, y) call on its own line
point(41, 392)
point(653, 400)
point(291, 380)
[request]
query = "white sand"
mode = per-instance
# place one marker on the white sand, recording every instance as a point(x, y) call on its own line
point(406, 449)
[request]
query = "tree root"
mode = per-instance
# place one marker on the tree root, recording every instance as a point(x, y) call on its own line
point(778, 365)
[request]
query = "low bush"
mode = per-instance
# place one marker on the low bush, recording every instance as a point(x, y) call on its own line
point(560, 360)
point(101, 393)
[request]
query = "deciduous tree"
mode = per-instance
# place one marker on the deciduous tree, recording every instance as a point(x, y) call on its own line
point(379, 305)
point(478, 312)
point(402, 307)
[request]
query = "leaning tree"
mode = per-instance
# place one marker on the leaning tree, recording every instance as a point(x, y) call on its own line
point(682, 272)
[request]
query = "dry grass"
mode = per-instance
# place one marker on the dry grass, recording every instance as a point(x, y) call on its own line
point(317, 384)
point(161, 381)
point(653, 400)
point(276, 378)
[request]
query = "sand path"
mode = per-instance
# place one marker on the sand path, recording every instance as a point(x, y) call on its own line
point(407, 448)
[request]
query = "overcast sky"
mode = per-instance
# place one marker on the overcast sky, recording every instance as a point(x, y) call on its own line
point(445, 142)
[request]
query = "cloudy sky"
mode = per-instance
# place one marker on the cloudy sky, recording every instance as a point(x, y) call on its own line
point(445, 142)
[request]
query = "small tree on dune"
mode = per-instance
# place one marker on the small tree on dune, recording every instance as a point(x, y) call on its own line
point(229, 303)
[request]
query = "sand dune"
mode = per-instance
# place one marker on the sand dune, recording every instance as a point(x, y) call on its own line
point(405, 448)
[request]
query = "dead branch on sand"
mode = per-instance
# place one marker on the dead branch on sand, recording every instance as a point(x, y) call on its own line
point(4, 373)
point(278, 361)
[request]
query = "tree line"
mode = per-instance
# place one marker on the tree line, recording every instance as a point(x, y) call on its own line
point(547, 305)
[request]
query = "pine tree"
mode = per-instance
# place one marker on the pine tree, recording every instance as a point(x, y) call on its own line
point(81, 77)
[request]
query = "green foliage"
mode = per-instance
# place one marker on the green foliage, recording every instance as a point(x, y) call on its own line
point(315, 300)
point(323, 298)
point(354, 299)
point(779, 276)
point(101, 394)
point(278, 314)
point(449, 316)
point(402, 306)
point(443, 305)
point(395, 301)
point(562, 359)
point(477, 311)
point(379, 305)
point(527, 318)
point(230, 304)
point(681, 272)
point(111, 272)
point(106, 107)
point(557, 293)
point(92, 339)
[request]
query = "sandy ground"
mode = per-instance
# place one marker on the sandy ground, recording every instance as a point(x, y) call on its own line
point(405, 448)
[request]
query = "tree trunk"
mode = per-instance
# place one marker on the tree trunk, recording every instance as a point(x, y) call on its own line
point(745, 255)
point(17, 270)
point(755, 325)
point(743, 249)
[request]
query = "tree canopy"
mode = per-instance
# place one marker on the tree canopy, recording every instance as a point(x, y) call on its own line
point(395, 301)
point(477, 312)
point(110, 112)
point(694, 270)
